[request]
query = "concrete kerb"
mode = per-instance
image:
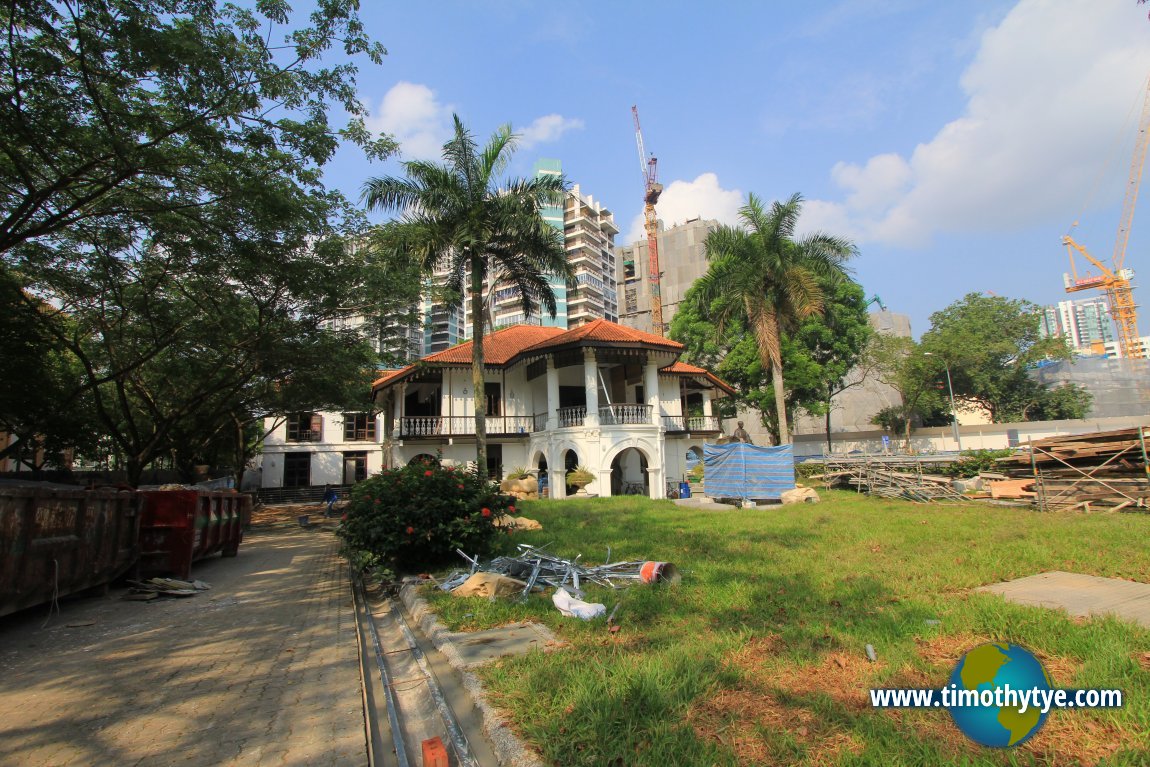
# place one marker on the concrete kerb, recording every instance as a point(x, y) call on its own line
point(509, 749)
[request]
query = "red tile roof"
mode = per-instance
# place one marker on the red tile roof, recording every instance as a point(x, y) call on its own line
point(686, 369)
point(498, 347)
point(503, 346)
point(606, 332)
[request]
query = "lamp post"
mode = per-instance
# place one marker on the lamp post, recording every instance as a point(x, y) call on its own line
point(950, 390)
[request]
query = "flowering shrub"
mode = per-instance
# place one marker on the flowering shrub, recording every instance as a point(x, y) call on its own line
point(416, 517)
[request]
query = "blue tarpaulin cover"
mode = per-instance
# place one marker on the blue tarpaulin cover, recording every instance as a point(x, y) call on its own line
point(742, 470)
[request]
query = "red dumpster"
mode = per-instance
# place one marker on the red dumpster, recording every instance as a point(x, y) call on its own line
point(57, 541)
point(178, 527)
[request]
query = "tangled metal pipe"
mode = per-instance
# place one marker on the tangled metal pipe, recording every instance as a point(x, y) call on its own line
point(538, 567)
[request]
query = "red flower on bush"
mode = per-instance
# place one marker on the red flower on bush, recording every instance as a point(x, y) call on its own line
point(486, 512)
point(428, 473)
point(510, 509)
point(461, 487)
point(410, 529)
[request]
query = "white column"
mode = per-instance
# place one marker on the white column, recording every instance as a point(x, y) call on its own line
point(652, 384)
point(591, 384)
point(707, 403)
point(557, 482)
point(552, 396)
point(401, 394)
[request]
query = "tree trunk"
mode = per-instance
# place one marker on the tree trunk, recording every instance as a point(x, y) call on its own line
point(477, 384)
point(828, 421)
point(780, 402)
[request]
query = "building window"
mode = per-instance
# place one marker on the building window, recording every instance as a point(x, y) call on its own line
point(358, 427)
point(297, 469)
point(305, 427)
point(354, 467)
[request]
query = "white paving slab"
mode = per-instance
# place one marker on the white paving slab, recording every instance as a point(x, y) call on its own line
point(1080, 595)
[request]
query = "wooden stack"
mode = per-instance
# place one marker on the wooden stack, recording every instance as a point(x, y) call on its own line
point(1101, 470)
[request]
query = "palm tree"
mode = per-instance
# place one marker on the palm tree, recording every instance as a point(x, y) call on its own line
point(457, 219)
point(760, 271)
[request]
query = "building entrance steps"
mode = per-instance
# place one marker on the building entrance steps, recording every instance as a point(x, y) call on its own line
point(262, 669)
point(1080, 595)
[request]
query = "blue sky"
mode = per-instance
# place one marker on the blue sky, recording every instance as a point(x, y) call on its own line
point(955, 143)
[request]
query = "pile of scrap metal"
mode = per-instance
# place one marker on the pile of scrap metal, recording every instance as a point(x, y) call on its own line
point(535, 568)
point(906, 477)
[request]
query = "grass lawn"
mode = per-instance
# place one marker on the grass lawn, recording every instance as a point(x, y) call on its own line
point(757, 657)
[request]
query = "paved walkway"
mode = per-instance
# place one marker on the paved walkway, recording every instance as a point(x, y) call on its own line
point(1080, 595)
point(261, 670)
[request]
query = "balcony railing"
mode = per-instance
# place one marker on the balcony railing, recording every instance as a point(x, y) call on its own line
point(694, 423)
point(571, 416)
point(305, 435)
point(462, 426)
point(622, 414)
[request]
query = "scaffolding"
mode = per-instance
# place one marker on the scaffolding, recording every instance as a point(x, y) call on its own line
point(893, 476)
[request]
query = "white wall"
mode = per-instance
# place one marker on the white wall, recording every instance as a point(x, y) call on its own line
point(975, 437)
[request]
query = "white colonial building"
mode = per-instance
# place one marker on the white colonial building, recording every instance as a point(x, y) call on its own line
point(613, 399)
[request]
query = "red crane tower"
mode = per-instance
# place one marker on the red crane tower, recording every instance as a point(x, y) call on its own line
point(651, 191)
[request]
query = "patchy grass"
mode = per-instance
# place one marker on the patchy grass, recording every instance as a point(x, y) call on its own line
point(758, 656)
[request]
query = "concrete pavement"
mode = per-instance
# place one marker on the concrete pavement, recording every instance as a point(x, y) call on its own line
point(261, 670)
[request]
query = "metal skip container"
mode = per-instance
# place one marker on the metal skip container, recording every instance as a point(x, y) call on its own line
point(55, 542)
point(178, 527)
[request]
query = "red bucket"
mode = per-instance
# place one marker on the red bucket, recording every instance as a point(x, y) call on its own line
point(659, 572)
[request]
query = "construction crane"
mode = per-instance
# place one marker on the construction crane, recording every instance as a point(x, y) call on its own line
point(1115, 280)
point(648, 166)
point(875, 300)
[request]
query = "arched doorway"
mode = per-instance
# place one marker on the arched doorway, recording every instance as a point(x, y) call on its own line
point(629, 473)
point(424, 459)
point(541, 469)
point(570, 462)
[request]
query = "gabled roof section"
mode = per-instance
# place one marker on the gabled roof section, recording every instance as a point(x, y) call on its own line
point(604, 333)
point(685, 369)
point(498, 347)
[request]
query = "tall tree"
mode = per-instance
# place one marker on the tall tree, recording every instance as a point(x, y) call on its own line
point(177, 225)
point(463, 220)
point(990, 343)
point(772, 279)
point(901, 364)
point(819, 356)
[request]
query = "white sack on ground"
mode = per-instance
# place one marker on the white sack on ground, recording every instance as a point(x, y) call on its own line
point(577, 608)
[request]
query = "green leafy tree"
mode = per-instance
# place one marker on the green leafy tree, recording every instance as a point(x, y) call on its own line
point(110, 109)
point(771, 279)
point(176, 224)
point(900, 363)
point(41, 409)
point(989, 344)
point(463, 219)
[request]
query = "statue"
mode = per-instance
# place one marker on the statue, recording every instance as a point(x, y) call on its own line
point(741, 435)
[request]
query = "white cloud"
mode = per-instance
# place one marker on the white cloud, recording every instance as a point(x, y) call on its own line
point(547, 128)
point(411, 113)
point(684, 200)
point(1047, 93)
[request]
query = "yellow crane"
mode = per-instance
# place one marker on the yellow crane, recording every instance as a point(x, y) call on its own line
point(1115, 280)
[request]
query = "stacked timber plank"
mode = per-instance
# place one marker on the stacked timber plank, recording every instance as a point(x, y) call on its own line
point(1102, 470)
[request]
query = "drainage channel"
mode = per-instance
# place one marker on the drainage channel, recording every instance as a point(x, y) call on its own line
point(411, 693)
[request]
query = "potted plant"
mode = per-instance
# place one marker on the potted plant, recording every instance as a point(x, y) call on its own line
point(579, 478)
